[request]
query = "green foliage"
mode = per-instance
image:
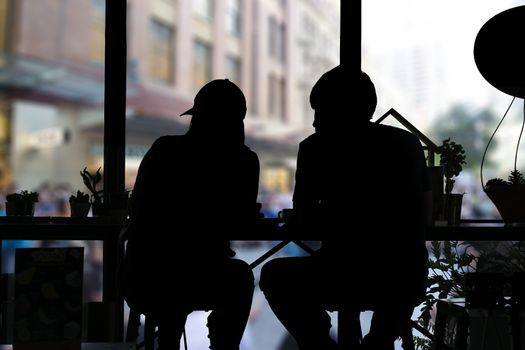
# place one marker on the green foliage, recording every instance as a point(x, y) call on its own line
point(422, 343)
point(13, 197)
point(91, 182)
point(496, 183)
point(80, 197)
point(516, 178)
point(451, 260)
point(452, 158)
point(23, 196)
point(499, 256)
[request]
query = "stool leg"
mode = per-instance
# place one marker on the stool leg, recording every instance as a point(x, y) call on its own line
point(132, 332)
point(407, 338)
point(349, 334)
point(149, 334)
point(515, 326)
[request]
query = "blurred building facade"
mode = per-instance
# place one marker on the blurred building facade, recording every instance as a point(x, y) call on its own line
point(52, 78)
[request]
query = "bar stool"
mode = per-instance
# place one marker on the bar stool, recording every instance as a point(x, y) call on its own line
point(132, 332)
point(349, 333)
point(487, 308)
point(451, 327)
point(517, 306)
point(150, 328)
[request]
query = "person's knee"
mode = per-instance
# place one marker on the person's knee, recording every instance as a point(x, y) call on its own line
point(271, 273)
point(242, 274)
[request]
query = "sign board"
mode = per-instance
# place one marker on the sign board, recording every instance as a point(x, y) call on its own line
point(48, 138)
point(48, 298)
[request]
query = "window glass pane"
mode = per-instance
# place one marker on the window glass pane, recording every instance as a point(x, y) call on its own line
point(233, 17)
point(161, 52)
point(96, 38)
point(233, 69)
point(202, 64)
point(51, 97)
point(203, 8)
point(51, 110)
point(273, 60)
point(272, 36)
point(420, 56)
point(264, 48)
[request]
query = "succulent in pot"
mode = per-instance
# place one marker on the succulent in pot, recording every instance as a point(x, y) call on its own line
point(452, 158)
point(91, 181)
point(79, 204)
point(508, 196)
point(22, 203)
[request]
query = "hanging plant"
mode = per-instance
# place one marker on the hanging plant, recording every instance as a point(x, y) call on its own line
point(507, 195)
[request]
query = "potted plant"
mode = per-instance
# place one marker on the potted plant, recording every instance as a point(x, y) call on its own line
point(449, 265)
point(452, 158)
point(507, 196)
point(22, 203)
point(91, 181)
point(79, 204)
point(450, 262)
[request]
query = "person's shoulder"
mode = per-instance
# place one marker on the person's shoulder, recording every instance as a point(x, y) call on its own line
point(311, 140)
point(249, 153)
point(168, 140)
point(165, 145)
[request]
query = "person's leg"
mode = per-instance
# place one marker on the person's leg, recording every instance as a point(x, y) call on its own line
point(385, 327)
point(171, 326)
point(294, 288)
point(233, 285)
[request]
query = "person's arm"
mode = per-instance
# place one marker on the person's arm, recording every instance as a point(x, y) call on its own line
point(305, 203)
point(140, 202)
point(427, 208)
point(254, 178)
point(253, 190)
point(249, 187)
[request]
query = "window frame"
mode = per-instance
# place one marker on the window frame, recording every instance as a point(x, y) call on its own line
point(116, 74)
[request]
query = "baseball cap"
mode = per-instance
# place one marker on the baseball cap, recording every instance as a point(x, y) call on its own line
point(220, 95)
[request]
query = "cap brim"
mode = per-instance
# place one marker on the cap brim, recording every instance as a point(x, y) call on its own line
point(188, 112)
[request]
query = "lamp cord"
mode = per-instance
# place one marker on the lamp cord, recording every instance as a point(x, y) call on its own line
point(490, 140)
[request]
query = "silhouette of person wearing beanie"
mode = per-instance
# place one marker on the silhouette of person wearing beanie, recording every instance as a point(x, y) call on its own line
point(362, 187)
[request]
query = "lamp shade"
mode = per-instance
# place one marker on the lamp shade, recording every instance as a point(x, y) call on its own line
point(499, 52)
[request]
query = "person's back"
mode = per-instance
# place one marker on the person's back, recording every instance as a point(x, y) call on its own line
point(368, 180)
point(188, 196)
point(370, 208)
point(189, 188)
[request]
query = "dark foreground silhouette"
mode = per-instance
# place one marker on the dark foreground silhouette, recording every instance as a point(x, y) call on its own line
point(361, 186)
point(189, 189)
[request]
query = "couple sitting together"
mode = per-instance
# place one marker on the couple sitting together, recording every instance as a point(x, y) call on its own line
point(357, 182)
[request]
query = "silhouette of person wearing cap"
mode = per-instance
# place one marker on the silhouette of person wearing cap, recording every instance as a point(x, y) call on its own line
point(365, 184)
point(177, 260)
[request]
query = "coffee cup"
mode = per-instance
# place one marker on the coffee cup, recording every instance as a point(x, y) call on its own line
point(286, 214)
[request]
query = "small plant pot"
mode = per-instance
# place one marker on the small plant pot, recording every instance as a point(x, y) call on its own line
point(452, 208)
point(510, 203)
point(29, 209)
point(79, 210)
point(20, 208)
point(98, 209)
point(14, 208)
